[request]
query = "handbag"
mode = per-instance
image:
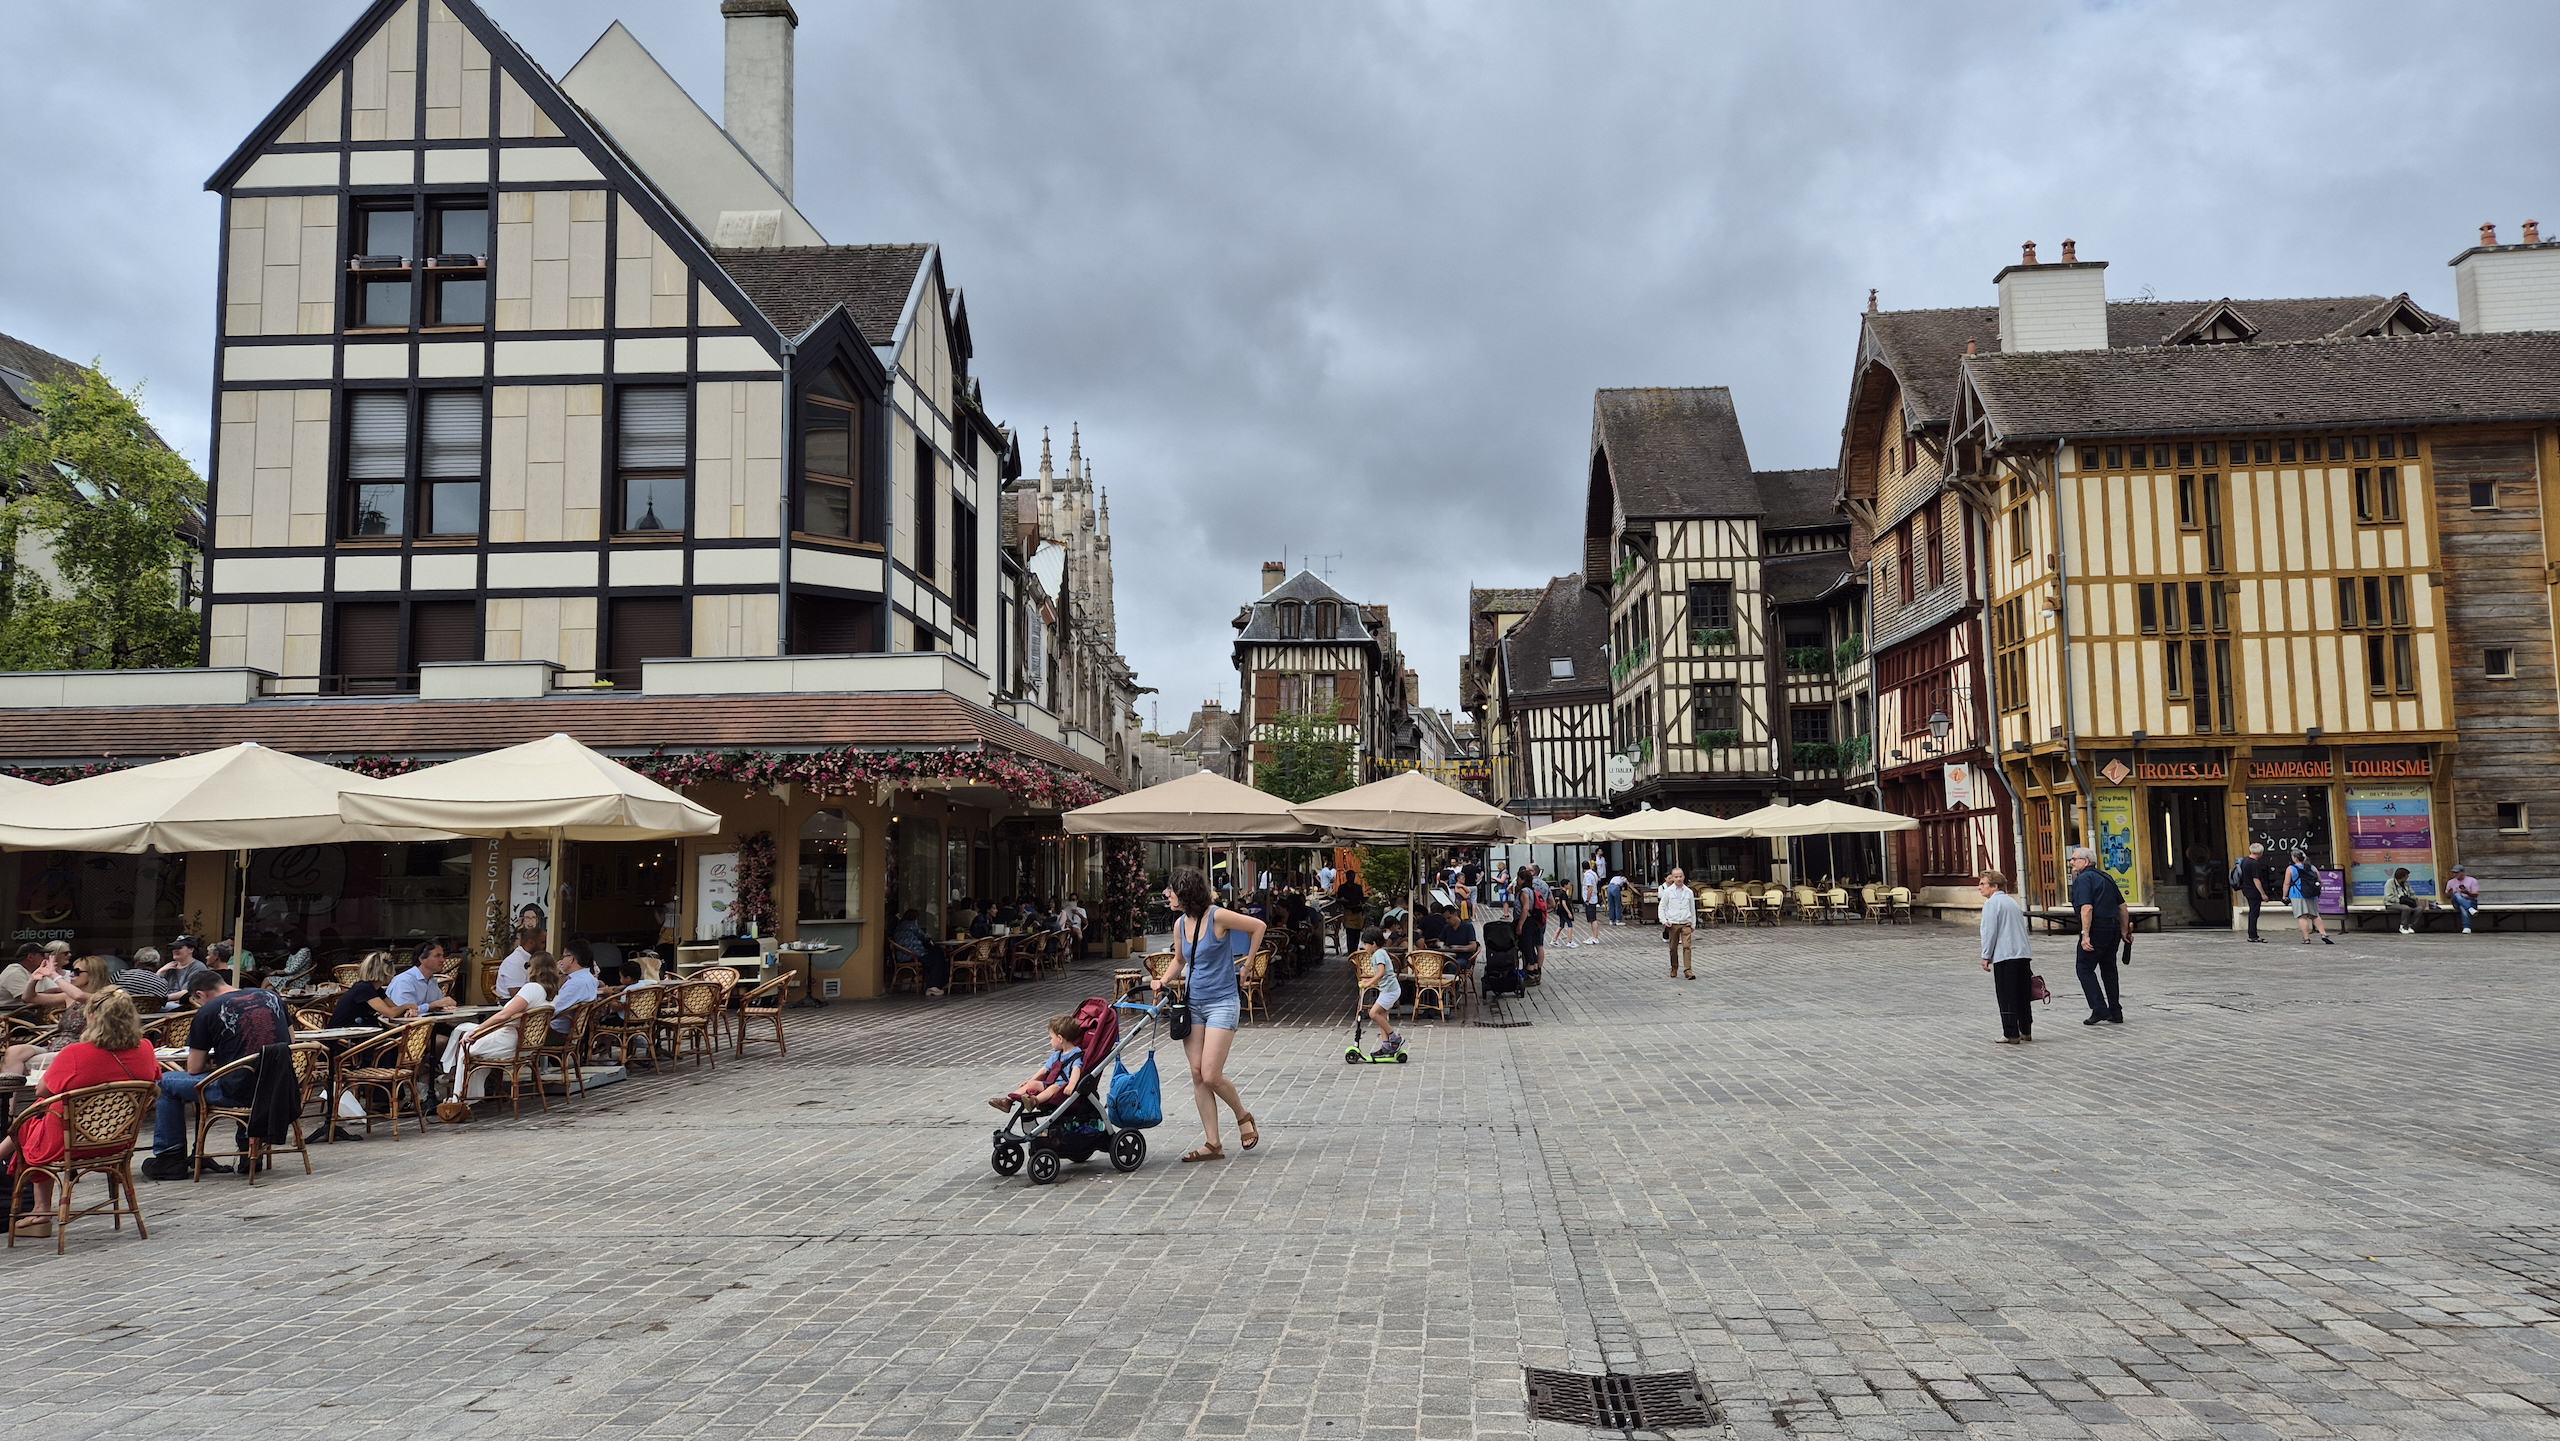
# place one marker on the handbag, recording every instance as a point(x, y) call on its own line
point(2036, 989)
point(1136, 1099)
point(1177, 1018)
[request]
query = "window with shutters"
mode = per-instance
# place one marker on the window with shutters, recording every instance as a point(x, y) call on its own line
point(450, 461)
point(833, 625)
point(830, 458)
point(443, 631)
point(650, 627)
point(377, 463)
point(365, 649)
point(649, 458)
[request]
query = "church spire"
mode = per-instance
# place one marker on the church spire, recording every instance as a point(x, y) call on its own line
point(1045, 470)
point(1075, 453)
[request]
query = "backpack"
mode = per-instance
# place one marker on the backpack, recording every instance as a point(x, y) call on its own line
point(2235, 872)
point(2310, 881)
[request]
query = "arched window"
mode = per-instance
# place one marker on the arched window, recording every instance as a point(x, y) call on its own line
point(830, 867)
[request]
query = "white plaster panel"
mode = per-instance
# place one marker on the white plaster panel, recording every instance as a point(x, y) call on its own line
point(835, 568)
point(247, 575)
point(301, 168)
point(382, 167)
point(550, 357)
point(450, 358)
point(457, 167)
point(542, 570)
point(368, 572)
point(546, 162)
point(278, 362)
point(444, 572)
point(654, 566)
point(736, 567)
point(735, 352)
point(378, 362)
point(663, 355)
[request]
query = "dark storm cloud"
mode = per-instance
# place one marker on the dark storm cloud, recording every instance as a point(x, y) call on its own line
point(1342, 277)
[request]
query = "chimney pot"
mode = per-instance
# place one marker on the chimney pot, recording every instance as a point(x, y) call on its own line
point(2070, 252)
point(2028, 254)
point(755, 105)
point(2501, 289)
point(2533, 232)
point(1968, 345)
point(1273, 572)
point(2489, 234)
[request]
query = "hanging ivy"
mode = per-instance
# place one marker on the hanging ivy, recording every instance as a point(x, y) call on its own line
point(848, 771)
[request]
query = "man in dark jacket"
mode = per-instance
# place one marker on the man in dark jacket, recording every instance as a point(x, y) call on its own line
point(2251, 884)
point(2104, 920)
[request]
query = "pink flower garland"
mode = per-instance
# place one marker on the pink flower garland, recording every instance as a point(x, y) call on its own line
point(848, 771)
point(755, 880)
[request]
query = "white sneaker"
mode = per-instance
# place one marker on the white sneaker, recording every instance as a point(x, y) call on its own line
point(2406, 931)
point(935, 991)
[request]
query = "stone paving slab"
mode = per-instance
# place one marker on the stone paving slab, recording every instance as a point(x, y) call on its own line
point(2302, 1193)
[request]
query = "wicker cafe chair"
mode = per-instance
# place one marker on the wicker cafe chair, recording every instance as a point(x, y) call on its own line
point(535, 1022)
point(1871, 903)
point(1253, 983)
point(390, 1063)
point(1898, 905)
point(563, 1047)
point(99, 1126)
point(641, 1008)
point(686, 1020)
point(310, 1066)
point(726, 978)
point(348, 975)
point(905, 971)
point(310, 1020)
point(761, 1005)
point(169, 1028)
point(25, 1030)
point(1432, 983)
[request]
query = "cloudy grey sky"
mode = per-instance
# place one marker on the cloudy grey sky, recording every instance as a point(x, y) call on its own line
point(1339, 276)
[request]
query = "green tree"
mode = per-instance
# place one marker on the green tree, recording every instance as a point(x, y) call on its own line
point(89, 486)
point(1310, 757)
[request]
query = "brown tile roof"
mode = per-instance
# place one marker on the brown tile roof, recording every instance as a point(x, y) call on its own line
point(1570, 622)
point(1798, 499)
point(1923, 346)
point(1486, 602)
point(1675, 451)
point(441, 729)
point(1798, 579)
point(26, 361)
point(796, 285)
point(2167, 390)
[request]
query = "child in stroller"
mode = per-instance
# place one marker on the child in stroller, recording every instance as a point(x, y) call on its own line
point(1055, 1078)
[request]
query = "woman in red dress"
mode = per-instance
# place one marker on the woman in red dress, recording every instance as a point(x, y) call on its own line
point(111, 1048)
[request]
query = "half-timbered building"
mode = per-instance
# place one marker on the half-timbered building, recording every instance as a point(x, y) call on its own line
point(1934, 638)
point(2295, 593)
point(1492, 612)
point(1305, 648)
point(1552, 671)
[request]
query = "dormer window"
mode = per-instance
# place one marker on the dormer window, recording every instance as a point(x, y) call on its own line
point(1287, 614)
point(1328, 619)
point(1559, 667)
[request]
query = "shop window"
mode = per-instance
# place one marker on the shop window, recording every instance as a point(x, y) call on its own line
point(2513, 818)
point(830, 867)
point(2498, 662)
point(649, 457)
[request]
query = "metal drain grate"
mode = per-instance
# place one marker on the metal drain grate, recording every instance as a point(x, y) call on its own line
point(1615, 1402)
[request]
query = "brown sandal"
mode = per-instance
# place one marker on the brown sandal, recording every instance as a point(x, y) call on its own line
point(1210, 1152)
point(1251, 1133)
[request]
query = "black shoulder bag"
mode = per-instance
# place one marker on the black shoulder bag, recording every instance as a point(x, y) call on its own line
point(1177, 1007)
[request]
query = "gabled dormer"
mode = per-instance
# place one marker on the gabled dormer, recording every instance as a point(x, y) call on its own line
point(2220, 323)
point(2392, 320)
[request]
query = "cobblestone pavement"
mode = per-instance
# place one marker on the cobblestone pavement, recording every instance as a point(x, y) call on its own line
point(2301, 1193)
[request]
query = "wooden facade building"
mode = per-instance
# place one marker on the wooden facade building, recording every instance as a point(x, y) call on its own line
point(1305, 648)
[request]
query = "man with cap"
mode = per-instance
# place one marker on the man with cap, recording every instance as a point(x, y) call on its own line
point(229, 1023)
point(2104, 919)
point(2464, 891)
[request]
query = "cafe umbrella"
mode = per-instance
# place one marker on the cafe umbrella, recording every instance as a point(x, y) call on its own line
point(1821, 818)
point(1199, 809)
point(554, 789)
point(237, 798)
point(1410, 807)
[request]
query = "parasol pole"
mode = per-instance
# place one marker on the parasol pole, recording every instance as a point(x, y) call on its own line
point(551, 913)
point(240, 915)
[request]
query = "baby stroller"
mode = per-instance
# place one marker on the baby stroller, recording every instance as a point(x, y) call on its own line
point(1502, 975)
point(1076, 1127)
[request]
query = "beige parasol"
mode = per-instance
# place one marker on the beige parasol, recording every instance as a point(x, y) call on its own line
point(1820, 818)
point(553, 788)
point(1675, 824)
point(1571, 831)
point(238, 798)
point(1196, 807)
point(1410, 807)
point(11, 785)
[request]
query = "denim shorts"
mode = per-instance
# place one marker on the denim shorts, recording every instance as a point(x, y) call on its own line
point(1220, 1015)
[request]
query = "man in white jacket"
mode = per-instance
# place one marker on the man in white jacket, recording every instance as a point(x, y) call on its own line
point(1677, 906)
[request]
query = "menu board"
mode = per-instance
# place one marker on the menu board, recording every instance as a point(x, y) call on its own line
point(715, 895)
point(2390, 826)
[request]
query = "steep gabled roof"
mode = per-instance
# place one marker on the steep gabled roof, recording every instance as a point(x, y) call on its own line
point(1674, 452)
point(796, 285)
point(2169, 390)
point(1798, 499)
point(21, 363)
point(1258, 623)
point(1484, 603)
point(1571, 623)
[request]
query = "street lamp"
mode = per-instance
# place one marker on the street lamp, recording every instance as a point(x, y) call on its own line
point(1939, 725)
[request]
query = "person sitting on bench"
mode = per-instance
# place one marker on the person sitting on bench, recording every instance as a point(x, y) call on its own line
point(2404, 904)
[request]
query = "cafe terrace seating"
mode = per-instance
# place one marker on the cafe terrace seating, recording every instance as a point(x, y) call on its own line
point(99, 1127)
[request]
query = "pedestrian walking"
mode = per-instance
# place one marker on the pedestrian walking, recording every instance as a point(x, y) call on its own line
point(2250, 880)
point(1618, 899)
point(1208, 945)
point(2104, 920)
point(1531, 905)
point(1677, 907)
point(2008, 955)
point(1590, 893)
point(2464, 891)
point(2302, 892)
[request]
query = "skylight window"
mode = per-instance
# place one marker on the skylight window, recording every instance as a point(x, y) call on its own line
point(21, 385)
point(1559, 667)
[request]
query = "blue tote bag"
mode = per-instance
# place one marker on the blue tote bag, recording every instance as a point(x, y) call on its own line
point(1137, 1102)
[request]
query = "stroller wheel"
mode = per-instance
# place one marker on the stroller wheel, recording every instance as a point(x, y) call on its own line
point(1044, 1166)
point(1008, 1157)
point(1128, 1151)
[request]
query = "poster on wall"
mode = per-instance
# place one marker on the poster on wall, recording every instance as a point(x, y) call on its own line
point(2114, 810)
point(715, 895)
point(528, 884)
point(2390, 826)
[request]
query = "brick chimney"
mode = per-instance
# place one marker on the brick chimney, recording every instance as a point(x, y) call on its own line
point(755, 103)
point(2508, 287)
point(1273, 572)
point(2062, 306)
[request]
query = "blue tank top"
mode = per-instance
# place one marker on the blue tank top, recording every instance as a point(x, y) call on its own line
point(1210, 961)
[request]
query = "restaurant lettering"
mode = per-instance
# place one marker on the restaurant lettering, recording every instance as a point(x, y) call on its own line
point(2410, 766)
point(2178, 771)
point(2288, 770)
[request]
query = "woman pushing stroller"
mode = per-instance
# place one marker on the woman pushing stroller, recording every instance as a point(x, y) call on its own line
point(1209, 944)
